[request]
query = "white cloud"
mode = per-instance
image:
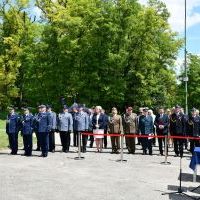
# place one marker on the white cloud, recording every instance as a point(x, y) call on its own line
point(177, 10)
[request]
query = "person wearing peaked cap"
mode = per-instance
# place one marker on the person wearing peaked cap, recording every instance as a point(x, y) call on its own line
point(192, 127)
point(75, 132)
point(53, 128)
point(43, 126)
point(42, 106)
point(130, 127)
point(12, 129)
point(177, 107)
point(177, 128)
point(115, 126)
point(65, 127)
point(35, 127)
point(27, 131)
point(81, 120)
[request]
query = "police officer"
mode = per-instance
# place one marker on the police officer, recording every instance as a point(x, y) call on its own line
point(53, 128)
point(12, 129)
point(130, 127)
point(81, 120)
point(35, 129)
point(75, 132)
point(146, 129)
point(27, 131)
point(193, 129)
point(177, 128)
point(65, 127)
point(44, 126)
point(162, 124)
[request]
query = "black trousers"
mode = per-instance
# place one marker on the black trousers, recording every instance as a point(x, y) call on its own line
point(65, 140)
point(51, 140)
point(13, 142)
point(105, 141)
point(161, 144)
point(91, 140)
point(28, 144)
point(146, 144)
point(178, 146)
point(38, 140)
point(44, 142)
point(75, 138)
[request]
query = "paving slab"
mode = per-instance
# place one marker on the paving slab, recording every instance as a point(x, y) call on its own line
point(97, 177)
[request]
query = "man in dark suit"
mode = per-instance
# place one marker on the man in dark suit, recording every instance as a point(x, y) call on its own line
point(177, 128)
point(161, 123)
point(192, 126)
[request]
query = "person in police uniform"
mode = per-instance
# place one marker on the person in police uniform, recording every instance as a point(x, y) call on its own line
point(146, 129)
point(12, 129)
point(81, 120)
point(130, 127)
point(53, 128)
point(177, 128)
point(27, 131)
point(115, 126)
point(162, 124)
point(75, 132)
point(35, 129)
point(65, 127)
point(193, 129)
point(44, 126)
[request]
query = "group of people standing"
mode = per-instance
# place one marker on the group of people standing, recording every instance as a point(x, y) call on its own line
point(78, 120)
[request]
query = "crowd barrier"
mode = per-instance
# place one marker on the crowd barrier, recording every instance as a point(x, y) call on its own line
point(122, 136)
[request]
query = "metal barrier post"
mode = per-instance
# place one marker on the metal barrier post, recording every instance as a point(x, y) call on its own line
point(122, 150)
point(166, 143)
point(79, 148)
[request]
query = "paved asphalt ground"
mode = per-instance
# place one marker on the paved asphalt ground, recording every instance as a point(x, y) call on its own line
point(97, 177)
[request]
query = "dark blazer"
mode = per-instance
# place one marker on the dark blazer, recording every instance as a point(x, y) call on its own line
point(177, 124)
point(105, 121)
point(164, 120)
point(43, 122)
point(145, 125)
point(13, 123)
point(192, 126)
point(27, 124)
point(101, 122)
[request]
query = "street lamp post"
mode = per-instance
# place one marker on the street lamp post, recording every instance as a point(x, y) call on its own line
point(185, 60)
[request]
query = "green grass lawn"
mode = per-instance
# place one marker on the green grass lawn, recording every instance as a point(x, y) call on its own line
point(4, 137)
